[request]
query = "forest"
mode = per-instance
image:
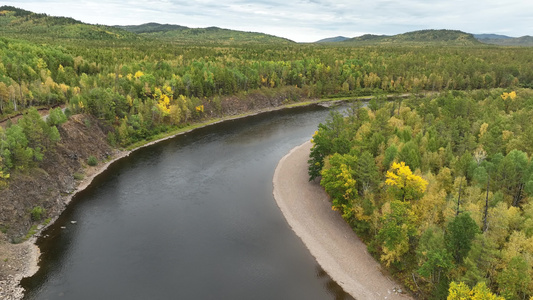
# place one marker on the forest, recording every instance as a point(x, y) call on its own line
point(438, 187)
point(142, 88)
point(437, 184)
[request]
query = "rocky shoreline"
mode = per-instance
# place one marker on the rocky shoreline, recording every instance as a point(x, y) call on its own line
point(21, 260)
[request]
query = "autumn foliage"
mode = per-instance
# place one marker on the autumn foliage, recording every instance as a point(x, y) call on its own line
point(439, 187)
point(406, 185)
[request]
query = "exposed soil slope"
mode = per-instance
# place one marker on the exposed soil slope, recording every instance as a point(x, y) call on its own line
point(49, 185)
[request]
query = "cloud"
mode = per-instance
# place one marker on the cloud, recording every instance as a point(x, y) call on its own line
point(303, 20)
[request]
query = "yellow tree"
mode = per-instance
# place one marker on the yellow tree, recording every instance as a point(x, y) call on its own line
point(460, 291)
point(508, 97)
point(138, 74)
point(406, 185)
point(511, 95)
point(163, 103)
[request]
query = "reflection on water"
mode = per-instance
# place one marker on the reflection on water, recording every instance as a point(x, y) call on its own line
point(333, 288)
point(188, 218)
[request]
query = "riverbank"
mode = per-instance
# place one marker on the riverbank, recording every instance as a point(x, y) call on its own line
point(19, 261)
point(330, 240)
point(23, 258)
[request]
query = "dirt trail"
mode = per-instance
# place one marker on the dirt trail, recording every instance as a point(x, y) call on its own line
point(330, 240)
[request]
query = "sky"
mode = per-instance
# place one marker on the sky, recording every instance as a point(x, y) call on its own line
point(302, 20)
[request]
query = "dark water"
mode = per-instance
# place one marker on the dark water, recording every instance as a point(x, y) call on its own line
point(189, 218)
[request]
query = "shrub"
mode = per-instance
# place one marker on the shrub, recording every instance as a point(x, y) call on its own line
point(56, 117)
point(37, 213)
point(92, 161)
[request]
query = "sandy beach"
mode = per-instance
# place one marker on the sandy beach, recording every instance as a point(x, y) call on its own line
point(330, 240)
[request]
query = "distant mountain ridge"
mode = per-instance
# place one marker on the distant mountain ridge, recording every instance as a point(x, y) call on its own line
point(503, 40)
point(333, 39)
point(151, 27)
point(18, 23)
point(491, 36)
point(436, 36)
point(15, 22)
point(429, 36)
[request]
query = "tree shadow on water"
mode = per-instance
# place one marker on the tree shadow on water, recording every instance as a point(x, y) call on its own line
point(331, 286)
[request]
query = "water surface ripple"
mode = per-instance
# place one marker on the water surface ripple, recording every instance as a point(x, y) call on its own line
point(188, 218)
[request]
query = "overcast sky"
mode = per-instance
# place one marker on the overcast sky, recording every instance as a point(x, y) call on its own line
point(303, 20)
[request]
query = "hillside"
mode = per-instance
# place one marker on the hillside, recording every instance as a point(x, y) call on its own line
point(209, 35)
point(431, 37)
point(19, 23)
point(510, 41)
point(333, 39)
point(151, 28)
point(491, 36)
point(49, 185)
point(441, 37)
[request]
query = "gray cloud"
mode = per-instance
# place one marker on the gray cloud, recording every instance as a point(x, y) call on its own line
point(303, 20)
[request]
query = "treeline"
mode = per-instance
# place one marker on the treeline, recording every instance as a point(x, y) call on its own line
point(23, 145)
point(45, 75)
point(143, 87)
point(439, 188)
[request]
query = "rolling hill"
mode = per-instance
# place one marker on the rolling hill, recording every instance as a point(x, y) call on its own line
point(504, 40)
point(209, 35)
point(333, 39)
point(448, 37)
point(421, 37)
point(20, 23)
point(491, 36)
point(151, 28)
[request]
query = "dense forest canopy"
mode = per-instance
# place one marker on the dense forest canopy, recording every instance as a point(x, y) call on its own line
point(439, 188)
point(438, 185)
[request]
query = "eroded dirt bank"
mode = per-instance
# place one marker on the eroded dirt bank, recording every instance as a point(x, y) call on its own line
point(51, 187)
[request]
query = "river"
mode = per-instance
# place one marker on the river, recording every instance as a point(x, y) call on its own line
point(188, 218)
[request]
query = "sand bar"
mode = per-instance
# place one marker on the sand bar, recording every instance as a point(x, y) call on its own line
point(330, 240)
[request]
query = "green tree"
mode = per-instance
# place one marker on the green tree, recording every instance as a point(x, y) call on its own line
point(512, 174)
point(480, 261)
point(327, 140)
point(513, 280)
point(366, 174)
point(40, 135)
point(396, 230)
point(434, 258)
point(15, 150)
point(338, 179)
point(390, 155)
point(56, 117)
point(459, 235)
point(410, 155)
